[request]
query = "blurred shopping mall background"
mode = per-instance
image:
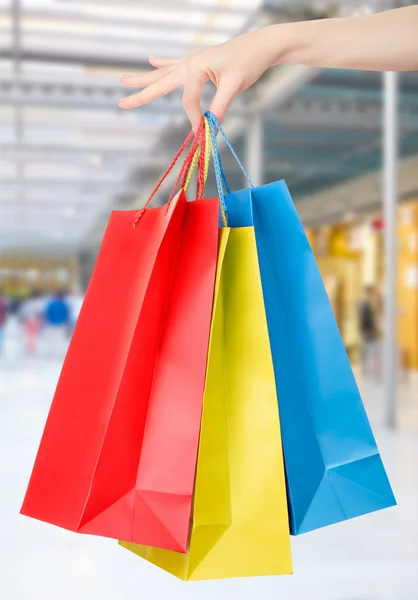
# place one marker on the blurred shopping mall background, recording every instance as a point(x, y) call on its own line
point(69, 155)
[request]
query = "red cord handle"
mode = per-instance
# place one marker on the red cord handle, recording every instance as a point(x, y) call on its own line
point(183, 170)
point(199, 139)
point(188, 162)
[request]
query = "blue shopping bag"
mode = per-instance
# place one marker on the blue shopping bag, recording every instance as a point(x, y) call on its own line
point(333, 468)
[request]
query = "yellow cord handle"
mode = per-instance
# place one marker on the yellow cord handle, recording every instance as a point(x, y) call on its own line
point(192, 169)
point(209, 149)
point(208, 146)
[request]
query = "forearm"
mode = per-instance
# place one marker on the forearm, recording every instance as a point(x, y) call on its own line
point(382, 42)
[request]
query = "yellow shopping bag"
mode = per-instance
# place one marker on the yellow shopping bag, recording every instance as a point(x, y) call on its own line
point(240, 521)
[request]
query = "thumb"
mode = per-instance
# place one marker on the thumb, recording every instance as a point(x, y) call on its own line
point(226, 92)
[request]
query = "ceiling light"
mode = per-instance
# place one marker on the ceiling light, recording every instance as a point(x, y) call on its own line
point(69, 211)
point(96, 160)
point(32, 274)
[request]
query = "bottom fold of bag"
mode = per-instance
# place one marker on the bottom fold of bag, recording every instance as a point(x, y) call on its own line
point(221, 551)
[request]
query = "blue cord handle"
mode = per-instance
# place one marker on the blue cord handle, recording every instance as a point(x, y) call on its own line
point(219, 172)
point(214, 124)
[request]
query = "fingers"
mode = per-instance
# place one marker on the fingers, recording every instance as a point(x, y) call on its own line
point(163, 86)
point(171, 74)
point(192, 96)
point(137, 81)
point(226, 92)
point(163, 62)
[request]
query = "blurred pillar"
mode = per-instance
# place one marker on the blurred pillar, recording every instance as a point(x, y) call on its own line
point(86, 262)
point(390, 151)
point(254, 149)
point(16, 9)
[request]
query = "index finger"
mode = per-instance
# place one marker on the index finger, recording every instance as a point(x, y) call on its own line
point(160, 88)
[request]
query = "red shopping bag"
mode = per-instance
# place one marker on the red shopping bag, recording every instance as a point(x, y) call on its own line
point(118, 454)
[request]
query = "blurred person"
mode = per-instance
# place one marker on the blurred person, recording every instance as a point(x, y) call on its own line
point(16, 294)
point(57, 320)
point(15, 304)
point(367, 319)
point(4, 307)
point(386, 41)
point(31, 316)
point(57, 310)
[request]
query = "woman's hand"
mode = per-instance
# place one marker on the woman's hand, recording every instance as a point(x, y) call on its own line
point(232, 67)
point(385, 41)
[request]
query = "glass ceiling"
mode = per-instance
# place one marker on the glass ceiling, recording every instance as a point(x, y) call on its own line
point(66, 148)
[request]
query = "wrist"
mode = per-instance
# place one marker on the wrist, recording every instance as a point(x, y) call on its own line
point(293, 43)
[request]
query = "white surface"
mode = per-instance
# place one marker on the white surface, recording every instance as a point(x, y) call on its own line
point(412, 276)
point(370, 558)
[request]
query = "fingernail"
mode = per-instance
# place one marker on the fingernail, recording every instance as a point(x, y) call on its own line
point(122, 103)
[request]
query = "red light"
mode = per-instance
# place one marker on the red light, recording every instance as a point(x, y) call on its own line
point(378, 224)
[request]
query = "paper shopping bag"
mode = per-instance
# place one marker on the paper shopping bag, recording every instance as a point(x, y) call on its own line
point(119, 450)
point(333, 467)
point(240, 522)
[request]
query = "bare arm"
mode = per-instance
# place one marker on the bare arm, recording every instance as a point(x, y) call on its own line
point(385, 41)
point(382, 42)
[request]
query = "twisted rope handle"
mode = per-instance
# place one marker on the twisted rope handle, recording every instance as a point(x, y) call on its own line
point(218, 162)
point(186, 142)
point(216, 124)
point(208, 147)
point(200, 184)
point(219, 174)
point(182, 176)
point(203, 149)
point(191, 170)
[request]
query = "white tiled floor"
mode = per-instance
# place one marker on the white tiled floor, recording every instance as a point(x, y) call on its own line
point(371, 558)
